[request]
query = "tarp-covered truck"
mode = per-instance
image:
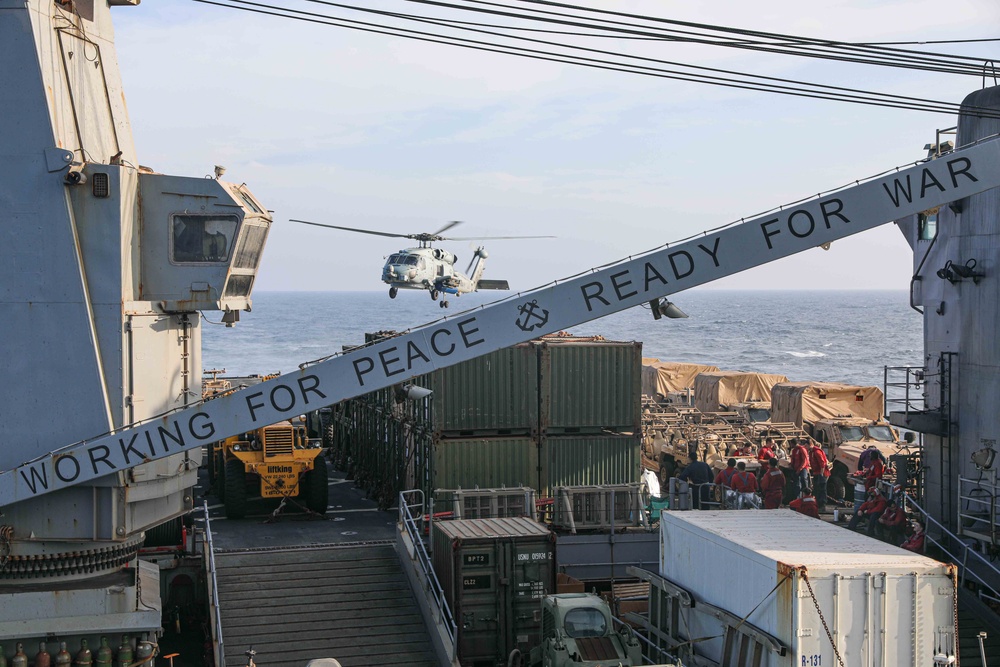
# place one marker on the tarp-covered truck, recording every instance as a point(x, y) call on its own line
point(845, 419)
point(716, 391)
point(661, 379)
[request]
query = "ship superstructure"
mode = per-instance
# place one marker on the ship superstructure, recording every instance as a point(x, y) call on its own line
point(105, 267)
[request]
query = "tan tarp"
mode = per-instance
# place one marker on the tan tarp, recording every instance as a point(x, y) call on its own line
point(663, 377)
point(812, 401)
point(714, 390)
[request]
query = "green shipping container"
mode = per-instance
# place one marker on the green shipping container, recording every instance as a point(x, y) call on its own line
point(486, 463)
point(589, 386)
point(494, 573)
point(578, 460)
point(496, 394)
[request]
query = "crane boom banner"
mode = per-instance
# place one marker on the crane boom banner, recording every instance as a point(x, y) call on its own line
point(629, 283)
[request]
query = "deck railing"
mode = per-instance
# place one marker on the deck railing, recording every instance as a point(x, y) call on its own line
point(411, 516)
point(218, 646)
point(969, 561)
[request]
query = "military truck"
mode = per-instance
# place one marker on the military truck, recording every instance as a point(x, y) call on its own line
point(577, 630)
point(670, 380)
point(725, 390)
point(276, 461)
point(845, 420)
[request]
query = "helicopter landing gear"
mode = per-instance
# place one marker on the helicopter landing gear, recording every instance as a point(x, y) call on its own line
point(434, 295)
point(393, 291)
point(443, 304)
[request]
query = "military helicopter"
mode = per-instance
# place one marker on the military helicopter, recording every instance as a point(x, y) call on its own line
point(433, 269)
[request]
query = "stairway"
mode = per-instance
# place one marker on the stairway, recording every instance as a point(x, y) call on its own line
point(352, 603)
point(975, 617)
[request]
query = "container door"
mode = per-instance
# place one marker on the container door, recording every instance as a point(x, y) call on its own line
point(478, 613)
point(532, 576)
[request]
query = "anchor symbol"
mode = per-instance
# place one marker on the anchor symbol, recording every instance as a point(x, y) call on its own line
point(530, 312)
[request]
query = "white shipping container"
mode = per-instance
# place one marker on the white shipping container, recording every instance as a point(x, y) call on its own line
point(884, 606)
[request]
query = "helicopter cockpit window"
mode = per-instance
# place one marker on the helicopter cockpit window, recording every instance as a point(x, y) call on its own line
point(410, 260)
point(202, 238)
point(393, 259)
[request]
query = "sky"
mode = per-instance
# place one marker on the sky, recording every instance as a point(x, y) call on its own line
point(347, 128)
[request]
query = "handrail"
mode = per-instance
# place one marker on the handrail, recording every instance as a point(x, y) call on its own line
point(987, 504)
point(960, 560)
point(622, 626)
point(220, 651)
point(408, 518)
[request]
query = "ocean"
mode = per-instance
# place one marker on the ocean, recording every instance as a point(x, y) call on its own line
point(840, 336)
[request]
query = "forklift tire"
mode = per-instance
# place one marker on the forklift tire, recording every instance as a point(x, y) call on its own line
point(236, 489)
point(316, 486)
point(220, 476)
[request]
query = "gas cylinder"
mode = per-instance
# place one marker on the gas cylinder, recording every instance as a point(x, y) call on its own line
point(63, 658)
point(42, 658)
point(84, 658)
point(104, 656)
point(3, 658)
point(124, 658)
point(144, 653)
point(19, 659)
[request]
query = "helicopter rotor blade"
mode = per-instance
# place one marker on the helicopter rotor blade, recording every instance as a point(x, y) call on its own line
point(354, 229)
point(492, 238)
point(446, 228)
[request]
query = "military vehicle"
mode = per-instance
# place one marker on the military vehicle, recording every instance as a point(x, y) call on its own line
point(845, 420)
point(577, 630)
point(276, 461)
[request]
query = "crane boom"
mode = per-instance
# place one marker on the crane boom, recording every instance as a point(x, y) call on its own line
point(668, 270)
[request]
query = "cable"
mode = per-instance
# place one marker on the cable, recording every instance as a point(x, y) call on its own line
point(738, 31)
point(799, 89)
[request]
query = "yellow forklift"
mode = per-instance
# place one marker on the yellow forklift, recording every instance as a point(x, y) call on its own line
point(276, 461)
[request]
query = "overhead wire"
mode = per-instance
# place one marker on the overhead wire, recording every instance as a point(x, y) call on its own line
point(746, 81)
point(785, 39)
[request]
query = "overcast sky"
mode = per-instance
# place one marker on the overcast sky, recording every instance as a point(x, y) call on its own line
point(348, 128)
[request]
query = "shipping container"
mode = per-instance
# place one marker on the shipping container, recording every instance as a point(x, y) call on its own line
point(588, 385)
point(494, 573)
point(496, 394)
point(487, 463)
point(577, 460)
point(797, 578)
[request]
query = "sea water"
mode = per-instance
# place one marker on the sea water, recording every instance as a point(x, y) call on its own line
point(838, 336)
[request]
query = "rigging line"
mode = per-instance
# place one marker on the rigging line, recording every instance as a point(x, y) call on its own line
point(896, 101)
point(948, 68)
point(739, 31)
point(805, 48)
point(577, 60)
point(934, 41)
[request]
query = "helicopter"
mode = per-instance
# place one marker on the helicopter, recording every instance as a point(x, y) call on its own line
point(433, 269)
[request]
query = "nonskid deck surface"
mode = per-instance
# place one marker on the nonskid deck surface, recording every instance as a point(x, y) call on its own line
point(298, 587)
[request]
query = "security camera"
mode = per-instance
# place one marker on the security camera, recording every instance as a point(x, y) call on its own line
point(75, 175)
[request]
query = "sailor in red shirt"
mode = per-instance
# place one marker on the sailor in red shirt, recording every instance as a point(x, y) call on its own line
point(765, 454)
point(800, 466)
point(820, 471)
point(806, 505)
point(772, 485)
point(724, 479)
point(871, 509)
point(915, 542)
point(874, 472)
point(745, 485)
point(890, 524)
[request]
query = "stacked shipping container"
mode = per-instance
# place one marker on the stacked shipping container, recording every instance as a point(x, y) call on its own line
point(551, 412)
